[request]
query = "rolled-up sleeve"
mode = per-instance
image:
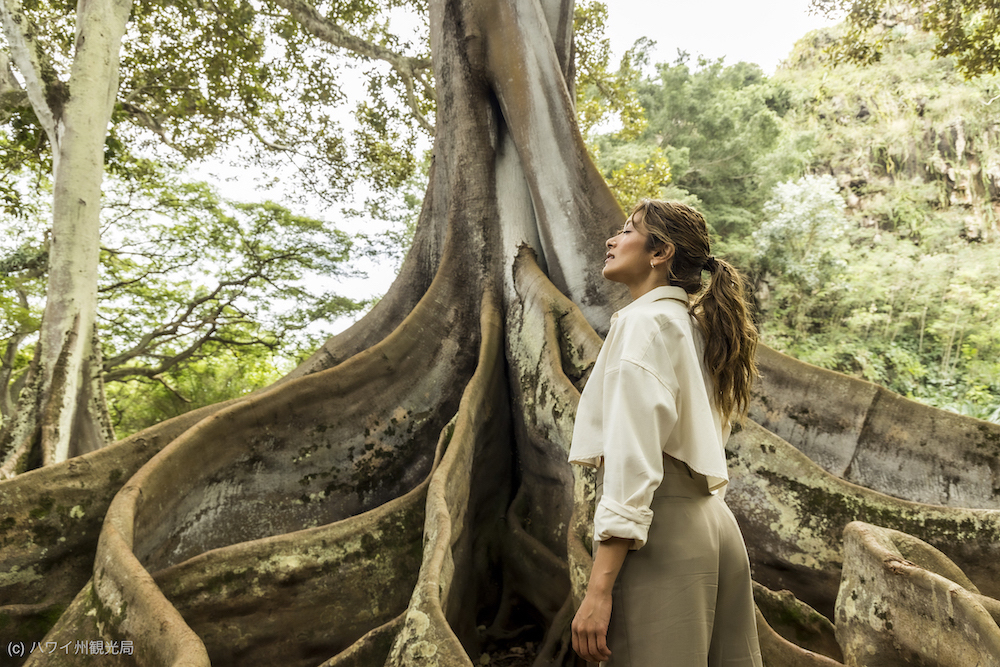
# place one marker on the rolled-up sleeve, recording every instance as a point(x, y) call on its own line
point(640, 410)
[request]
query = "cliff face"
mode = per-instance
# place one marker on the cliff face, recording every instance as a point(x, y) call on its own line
point(911, 139)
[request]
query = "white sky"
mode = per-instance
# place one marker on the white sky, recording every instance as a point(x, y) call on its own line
point(758, 32)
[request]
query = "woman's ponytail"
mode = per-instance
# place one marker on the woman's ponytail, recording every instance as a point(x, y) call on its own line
point(730, 337)
point(721, 309)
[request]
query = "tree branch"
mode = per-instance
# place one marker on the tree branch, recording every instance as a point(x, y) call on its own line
point(167, 364)
point(181, 397)
point(331, 33)
point(252, 128)
point(12, 93)
point(38, 72)
point(170, 329)
point(411, 100)
point(147, 121)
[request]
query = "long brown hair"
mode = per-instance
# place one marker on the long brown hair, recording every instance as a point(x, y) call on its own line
point(720, 309)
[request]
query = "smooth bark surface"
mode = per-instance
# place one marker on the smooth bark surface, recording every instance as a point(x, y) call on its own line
point(868, 435)
point(404, 497)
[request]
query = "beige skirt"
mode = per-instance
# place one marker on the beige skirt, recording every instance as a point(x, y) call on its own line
point(685, 599)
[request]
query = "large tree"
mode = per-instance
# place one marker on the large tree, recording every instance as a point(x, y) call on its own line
point(403, 497)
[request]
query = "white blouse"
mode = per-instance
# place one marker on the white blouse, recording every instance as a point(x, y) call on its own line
point(648, 395)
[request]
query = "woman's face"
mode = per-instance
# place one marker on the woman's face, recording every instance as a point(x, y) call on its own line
point(627, 260)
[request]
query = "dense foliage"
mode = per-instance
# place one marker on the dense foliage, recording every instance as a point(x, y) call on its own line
point(862, 200)
point(967, 30)
point(915, 150)
point(710, 126)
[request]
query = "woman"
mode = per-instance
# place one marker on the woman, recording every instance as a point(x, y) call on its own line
point(670, 584)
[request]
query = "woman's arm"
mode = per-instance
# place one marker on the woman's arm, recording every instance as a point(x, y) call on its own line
point(590, 627)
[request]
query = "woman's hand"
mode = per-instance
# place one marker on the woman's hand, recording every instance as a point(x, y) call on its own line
point(590, 627)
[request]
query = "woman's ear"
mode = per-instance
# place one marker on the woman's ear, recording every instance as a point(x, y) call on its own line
point(663, 255)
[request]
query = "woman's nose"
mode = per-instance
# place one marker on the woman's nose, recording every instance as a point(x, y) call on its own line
point(610, 242)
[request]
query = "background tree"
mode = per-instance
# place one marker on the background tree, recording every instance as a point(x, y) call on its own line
point(803, 239)
point(605, 97)
point(800, 234)
point(185, 277)
point(714, 126)
point(61, 410)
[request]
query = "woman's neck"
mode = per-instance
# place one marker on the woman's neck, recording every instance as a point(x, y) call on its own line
point(646, 286)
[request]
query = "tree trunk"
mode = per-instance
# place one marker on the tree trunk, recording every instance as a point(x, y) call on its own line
point(404, 497)
point(61, 412)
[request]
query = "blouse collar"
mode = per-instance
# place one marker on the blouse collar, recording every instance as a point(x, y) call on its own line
point(656, 294)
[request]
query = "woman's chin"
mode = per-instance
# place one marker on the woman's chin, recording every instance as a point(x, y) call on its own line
point(609, 274)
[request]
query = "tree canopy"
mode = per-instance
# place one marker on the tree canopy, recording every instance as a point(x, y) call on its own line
point(967, 30)
point(203, 78)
